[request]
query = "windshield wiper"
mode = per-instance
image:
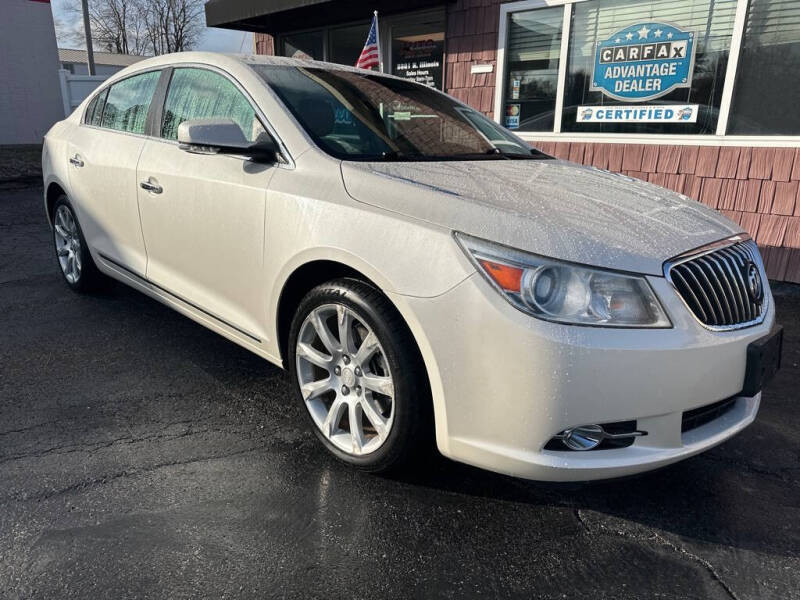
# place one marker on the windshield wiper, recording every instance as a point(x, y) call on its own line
point(491, 154)
point(400, 155)
point(534, 154)
point(537, 154)
point(497, 152)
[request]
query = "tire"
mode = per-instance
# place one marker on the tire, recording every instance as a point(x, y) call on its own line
point(391, 433)
point(72, 252)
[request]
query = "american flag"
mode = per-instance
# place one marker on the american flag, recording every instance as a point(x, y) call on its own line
point(371, 54)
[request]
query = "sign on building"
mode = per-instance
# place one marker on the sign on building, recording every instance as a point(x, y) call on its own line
point(644, 61)
point(419, 60)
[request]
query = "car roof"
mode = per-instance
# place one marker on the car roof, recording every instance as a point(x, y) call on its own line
point(252, 60)
point(282, 61)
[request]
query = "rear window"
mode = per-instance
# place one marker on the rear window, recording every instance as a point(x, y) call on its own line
point(128, 102)
point(94, 113)
point(87, 117)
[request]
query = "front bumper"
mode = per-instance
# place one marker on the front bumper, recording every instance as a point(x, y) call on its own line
point(505, 383)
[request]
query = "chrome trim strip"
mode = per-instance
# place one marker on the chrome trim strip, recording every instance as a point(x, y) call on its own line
point(694, 296)
point(706, 262)
point(716, 307)
point(177, 297)
point(738, 303)
point(726, 247)
point(734, 256)
point(605, 435)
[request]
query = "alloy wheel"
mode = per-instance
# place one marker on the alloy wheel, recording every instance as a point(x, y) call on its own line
point(345, 379)
point(68, 243)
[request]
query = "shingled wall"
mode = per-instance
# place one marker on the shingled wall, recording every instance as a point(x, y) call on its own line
point(264, 44)
point(471, 38)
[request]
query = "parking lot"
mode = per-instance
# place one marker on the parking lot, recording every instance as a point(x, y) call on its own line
point(144, 456)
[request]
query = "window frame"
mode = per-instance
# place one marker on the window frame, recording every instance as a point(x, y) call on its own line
point(156, 109)
point(719, 138)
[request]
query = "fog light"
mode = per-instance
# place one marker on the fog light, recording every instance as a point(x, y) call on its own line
point(585, 437)
point(619, 434)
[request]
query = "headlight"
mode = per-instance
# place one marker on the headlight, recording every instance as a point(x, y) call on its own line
point(563, 292)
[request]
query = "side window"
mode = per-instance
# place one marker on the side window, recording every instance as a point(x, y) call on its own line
point(203, 94)
point(128, 102)
point(94, 114)
point(87, 117)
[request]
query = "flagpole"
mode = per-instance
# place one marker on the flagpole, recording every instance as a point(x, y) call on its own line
point(378, 40)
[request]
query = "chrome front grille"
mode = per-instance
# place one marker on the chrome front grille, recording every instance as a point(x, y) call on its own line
point(723, 285)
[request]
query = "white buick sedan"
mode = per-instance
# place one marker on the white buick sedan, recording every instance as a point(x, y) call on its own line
point(416, 268)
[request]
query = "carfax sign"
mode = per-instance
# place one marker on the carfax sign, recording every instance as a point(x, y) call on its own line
point(644, 61)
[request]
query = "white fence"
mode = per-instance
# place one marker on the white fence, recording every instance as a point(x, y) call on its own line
point(75, 88)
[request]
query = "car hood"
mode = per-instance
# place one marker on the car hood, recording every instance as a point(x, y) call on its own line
point(549, 207)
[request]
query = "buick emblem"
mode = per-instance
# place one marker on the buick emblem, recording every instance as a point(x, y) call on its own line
point(754, 286)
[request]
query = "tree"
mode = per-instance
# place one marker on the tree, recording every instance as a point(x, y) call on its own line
point(69, 31)
point(172, 25)
point(116, 25)
point(144, 26)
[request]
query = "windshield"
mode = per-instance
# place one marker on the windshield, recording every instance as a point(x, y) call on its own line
point(359, 116)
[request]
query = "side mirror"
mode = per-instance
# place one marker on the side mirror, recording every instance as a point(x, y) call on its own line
point(224, 136)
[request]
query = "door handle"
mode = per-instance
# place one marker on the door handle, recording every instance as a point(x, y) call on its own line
point(151, 187)
point(76, 161)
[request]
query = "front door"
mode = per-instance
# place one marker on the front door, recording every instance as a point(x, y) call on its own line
point(203, 216)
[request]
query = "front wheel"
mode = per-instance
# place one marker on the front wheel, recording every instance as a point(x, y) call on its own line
point(72, 252)
point(359, 375)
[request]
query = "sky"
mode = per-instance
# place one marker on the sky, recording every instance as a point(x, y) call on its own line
point(213, 38)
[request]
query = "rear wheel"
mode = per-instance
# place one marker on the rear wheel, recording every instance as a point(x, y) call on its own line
point(72, 252)
point(359, 375)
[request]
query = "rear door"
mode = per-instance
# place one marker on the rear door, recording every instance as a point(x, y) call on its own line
point(203, 216)
point(103, 154)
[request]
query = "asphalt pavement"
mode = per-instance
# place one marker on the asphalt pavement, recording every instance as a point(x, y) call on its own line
point(142, 456)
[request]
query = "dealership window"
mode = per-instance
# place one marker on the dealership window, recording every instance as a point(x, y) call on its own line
point(340, 45)
point(417, 51)
point(308, 44)
point(649, 67)
point(708, 27)
point(767, 85)
point(532, 61)
point(412, 44)
point(346, 43)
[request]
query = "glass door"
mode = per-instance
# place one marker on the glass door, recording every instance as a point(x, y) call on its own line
point(533, 55)
point(416, 48)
